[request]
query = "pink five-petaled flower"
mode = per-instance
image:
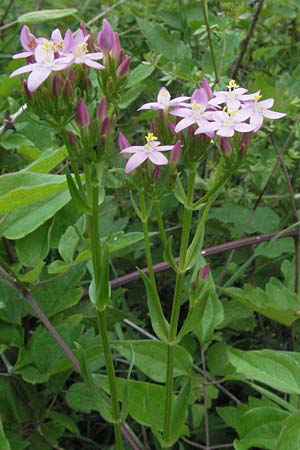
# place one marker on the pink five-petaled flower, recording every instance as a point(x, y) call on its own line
point(29, 43)
point(259, 110)
point(164, 101)
point(226, 123)
point(78, 48)
point(233, 97)
point(151, 150)
point(194, 113)
point(45, 63)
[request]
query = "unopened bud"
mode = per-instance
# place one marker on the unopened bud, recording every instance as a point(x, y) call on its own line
point(102, 109)
point(87, 84)
point(156, 173)
point(82, 115)
point(123, 141)
point(207, 88)
point(27, 92)
point(68, 89)
point(244, 143)
point(122, 55)
point(72, 138)
point(225, 146)
point(83, 29)
point(172, 127)
point(71, 75)
point(106, 37)
point(204, 272)
point(175, 153)
point(116, 48)
point(154, 127)
point(105, 127)
point(57, 86)
point(124, 67)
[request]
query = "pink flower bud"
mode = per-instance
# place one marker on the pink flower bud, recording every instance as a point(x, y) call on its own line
point(28, 40)
point(175, 153)
point(68, 89)
point(207, 88)
point(27, 92)
point(71, 75)
point(225, 146)
point(244, 143)
point(156, 173)
point(123, 141)
point(106, 37)
point(122, 55)
point(102, 109)
point(72, 138)
point(116, 48)
point(57, 86)
point(82, 115)
point(204, 272)
point(124, 67)
point(83, 29)
point(105, 127)
point(172, 127)
point(154, 127)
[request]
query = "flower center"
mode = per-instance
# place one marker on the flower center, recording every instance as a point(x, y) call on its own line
point(81, 49)
point(47, 46)
point(164, 100)
point(232, 85)
point(257, 97)
point(197, 109)
point(149, 139)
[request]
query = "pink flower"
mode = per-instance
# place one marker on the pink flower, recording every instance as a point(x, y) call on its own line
point(226, 123)
point(164, 101)
point(194, 113)
point(259, 110)
point(151, 150)
point(233, 97)
point(78, 48)
point(45, 63)
point(29, 43)
point(106, 37)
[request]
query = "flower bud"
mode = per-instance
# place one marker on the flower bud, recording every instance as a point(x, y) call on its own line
point(71, 75)
point(175, 154)
point(116, 48)
point(124, 67)
point(156, 173)
point(82, 115)
point(172, 126)
point(123, 141)
point(106, 37)
point(102, 109)
point(225, 146)
point(57, 86)
point(204, 272)
point(207, 88)
point(244, 143)
point(72, 138)
point(105, 127)
point(68, 89)
point(122, 55)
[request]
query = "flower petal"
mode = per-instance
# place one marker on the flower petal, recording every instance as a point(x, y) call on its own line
point(273, 114)
point(135, 160)
point(158, 158)
point(24, 69)
point(225, 131)
point(91, 63)
point(267, 104)
point(163, 148)
point(244, 127)
point(133, 149)
point(37, 77)
point(184, 123)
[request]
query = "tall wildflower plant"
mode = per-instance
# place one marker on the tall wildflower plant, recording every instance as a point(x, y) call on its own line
point(59, 90)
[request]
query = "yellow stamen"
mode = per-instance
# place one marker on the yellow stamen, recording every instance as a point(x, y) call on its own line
point(257, 97)
point(47, 45)
point(232, 85)
point(231, 112)
point(196, 105)
point(150, 137)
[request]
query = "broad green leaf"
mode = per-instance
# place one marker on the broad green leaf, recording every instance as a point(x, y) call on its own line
point(276, 302)
point(211, 318)
point(150, 358)
point(23, 188)
point(32, 249)
point(10, 141)
point(45, 15)
point(179, 413)
point(278, 369)
point(4, 444)
point(289, 438)
point(47, 161)
point(24, 220)
point(139, 73)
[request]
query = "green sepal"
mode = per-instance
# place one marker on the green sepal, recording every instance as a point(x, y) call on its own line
point(77, 196)
point(154, 314)
point(101, 399)
point(168, 254)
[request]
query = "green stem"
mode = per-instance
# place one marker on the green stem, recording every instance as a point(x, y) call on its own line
point(179, 286)
point(160, 223)
point(92, 187)
point(157, 304)
point(205, 15)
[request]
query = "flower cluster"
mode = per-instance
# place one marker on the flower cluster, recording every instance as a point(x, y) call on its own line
point(206, 113)
point(45, 56)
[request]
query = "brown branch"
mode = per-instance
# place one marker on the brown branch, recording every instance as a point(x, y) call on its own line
point(245, 42)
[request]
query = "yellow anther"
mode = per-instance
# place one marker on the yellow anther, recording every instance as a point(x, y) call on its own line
point(150, 137)
point(196, 105)
point(231, 112)
point(232, 85)
point(47, 45)
point(257, 97)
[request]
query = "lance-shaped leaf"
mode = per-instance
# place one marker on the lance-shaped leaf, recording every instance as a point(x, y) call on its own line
point(168, 255)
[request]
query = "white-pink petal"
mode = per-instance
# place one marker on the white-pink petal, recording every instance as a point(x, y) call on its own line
point(24, 69)
point(135, 160)
point(273, 114)
point(158, 158)
point(184, 123)
point(133, 149)
point(225, 131)
point(37, 77)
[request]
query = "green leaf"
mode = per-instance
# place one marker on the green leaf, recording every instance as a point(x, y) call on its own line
point(195, 314)
point(45, 15)
point(24, 220)
point(4, 444)
point(150, 358)
point(277, 302)
point(179, 413)
point(139, 74)
point(32, 249)
point(278, 369)
point(79, 199)
point(10, 141)
point(47, 161)
point(168, 254)
point(289, 438)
